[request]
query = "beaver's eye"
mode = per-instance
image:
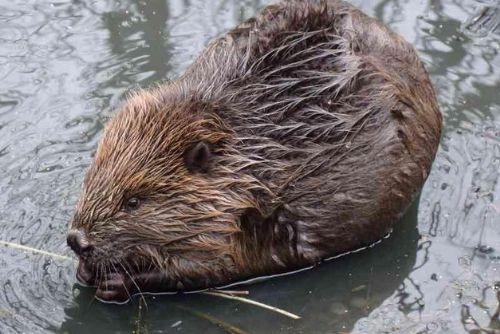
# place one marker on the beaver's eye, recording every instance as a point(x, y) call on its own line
point(133, 203)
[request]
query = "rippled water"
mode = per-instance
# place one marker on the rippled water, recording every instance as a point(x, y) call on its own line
point(64, 65)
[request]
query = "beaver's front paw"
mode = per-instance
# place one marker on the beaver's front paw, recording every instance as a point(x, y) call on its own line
point(114, 288)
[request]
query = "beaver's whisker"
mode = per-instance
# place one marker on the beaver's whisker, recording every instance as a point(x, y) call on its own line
point(133, 282)
point(98, 271)
point(152, 265)
point(99, 274)
point(107, 272)
point(129, 275)
point(123, 282)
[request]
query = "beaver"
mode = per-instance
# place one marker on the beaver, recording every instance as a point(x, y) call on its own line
point(301, 134)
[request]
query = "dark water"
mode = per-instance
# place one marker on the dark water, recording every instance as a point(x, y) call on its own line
point(64, 66)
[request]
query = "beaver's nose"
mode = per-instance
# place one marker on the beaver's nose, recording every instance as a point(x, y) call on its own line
point(78, 242)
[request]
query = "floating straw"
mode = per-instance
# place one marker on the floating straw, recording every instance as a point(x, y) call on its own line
point(253, 302)
point(34, 250)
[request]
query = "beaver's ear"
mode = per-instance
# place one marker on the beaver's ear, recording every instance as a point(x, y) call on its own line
point(198, 157)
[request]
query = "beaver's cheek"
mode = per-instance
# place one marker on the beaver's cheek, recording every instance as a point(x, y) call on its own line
point(85, 274)
point(114, 288)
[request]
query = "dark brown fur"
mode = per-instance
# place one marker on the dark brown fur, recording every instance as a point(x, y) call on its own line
point(322, 125)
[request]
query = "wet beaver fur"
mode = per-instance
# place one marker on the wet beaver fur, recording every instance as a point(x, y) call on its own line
point(301, 134)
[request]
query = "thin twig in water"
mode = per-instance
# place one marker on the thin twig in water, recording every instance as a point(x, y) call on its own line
point(34, 250)
point(220, 323)
point(231, 292)
point(255, 303)
point(140, 326)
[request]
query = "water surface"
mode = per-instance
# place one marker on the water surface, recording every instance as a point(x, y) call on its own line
point(65, 65)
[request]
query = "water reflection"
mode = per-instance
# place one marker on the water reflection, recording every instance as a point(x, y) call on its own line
point(64, 66)
point(138, 37)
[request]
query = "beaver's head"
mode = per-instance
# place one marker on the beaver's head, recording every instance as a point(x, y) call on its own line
point(161, 202)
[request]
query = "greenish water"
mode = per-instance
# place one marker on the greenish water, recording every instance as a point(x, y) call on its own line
point(64, 66)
